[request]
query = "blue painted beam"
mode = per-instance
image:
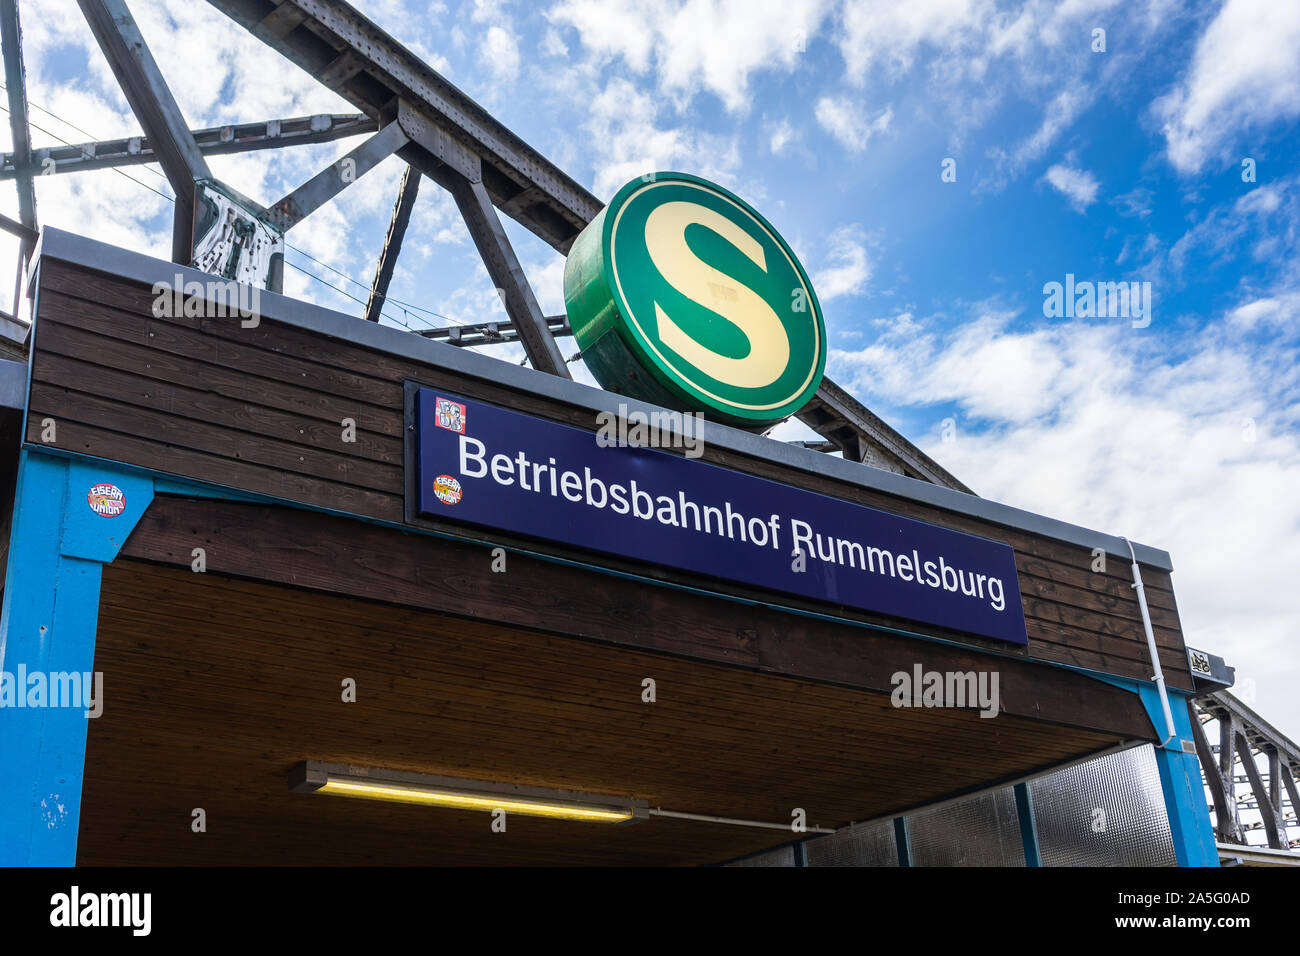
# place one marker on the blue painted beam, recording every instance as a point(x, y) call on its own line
point(61, 536)
point(902, 842)
point(1180, 774)
point(800, 854)
point(1180, 779)
point(1028, 829)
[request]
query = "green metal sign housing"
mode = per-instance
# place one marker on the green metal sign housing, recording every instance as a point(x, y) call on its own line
point(680, 294)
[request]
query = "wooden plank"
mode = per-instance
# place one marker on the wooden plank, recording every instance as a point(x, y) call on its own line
point(201, 408)
point(154, 365)
point(235, 447)
point(247, 476)
point(245, 615)
point(537, 687)
point(241, 352)
point(1116, 593)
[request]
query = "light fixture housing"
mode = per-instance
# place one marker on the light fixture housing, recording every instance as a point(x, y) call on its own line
point(398, 786)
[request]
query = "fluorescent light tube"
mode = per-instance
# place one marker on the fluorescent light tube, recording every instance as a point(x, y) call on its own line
point(454, 793)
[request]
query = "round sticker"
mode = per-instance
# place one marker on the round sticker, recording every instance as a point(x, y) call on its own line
point(447, 489)
point(107, 501)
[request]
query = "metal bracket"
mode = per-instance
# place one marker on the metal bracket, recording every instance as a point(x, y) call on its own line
point(439, 142)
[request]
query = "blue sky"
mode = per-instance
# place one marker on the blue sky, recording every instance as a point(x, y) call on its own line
point(834, 119)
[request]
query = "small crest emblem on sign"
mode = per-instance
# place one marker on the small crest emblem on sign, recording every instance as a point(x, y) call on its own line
point(451, 415)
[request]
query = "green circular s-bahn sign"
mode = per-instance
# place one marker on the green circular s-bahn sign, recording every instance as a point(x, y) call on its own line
point(680, 294)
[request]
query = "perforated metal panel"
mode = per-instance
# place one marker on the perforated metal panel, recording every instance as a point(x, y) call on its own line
point(981, 830)
point(781, 856)
point(867, 844)
point(1106, 812)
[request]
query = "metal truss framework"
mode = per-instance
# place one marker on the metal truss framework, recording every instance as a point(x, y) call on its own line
point(411, 110)
point(1243, 735)
point(16, 86)
point(213, 141)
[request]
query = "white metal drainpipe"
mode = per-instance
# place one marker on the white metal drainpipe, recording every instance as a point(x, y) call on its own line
point(731, 821)
point(1151, 645)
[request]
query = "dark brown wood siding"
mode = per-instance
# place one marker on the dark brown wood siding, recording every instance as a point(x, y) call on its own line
point(335, 555)
point(261, 409)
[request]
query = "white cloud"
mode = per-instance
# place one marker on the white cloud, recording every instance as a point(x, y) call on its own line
point(487, 11)
point(1059, 115)
point(1077, 185)
point(1135, 202)
point(779, 136)
point(971, 57)
point(268, 85)
point(697, 46)
point(847, 267)
point(998, 377)
point(1266, 312)
point(500, 52)
point(1263, 224)
point(840, 117)
point(628, 140)
point(892, 34)
point(1244, 75)
point(1192, 449)
point(553, 44)
point(110, 208)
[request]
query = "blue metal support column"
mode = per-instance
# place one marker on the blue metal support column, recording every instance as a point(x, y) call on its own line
point(1180, 779)
point(901, 841)
point(1028, 829)
point(800, 854)
point(61, 537)
point(1180, 774)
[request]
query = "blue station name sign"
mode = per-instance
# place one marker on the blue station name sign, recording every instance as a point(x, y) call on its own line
point(492, 467)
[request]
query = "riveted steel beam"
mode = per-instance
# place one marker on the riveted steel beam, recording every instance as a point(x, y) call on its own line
point(212, 141)
point(1221, 788)
point(16, 87)
point(492, 333)
point(154, 106)
point(16, 228)
point(507, 275)
point(329, 182)
point(1263, 805)
point(406, 195)
point(11, 35)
